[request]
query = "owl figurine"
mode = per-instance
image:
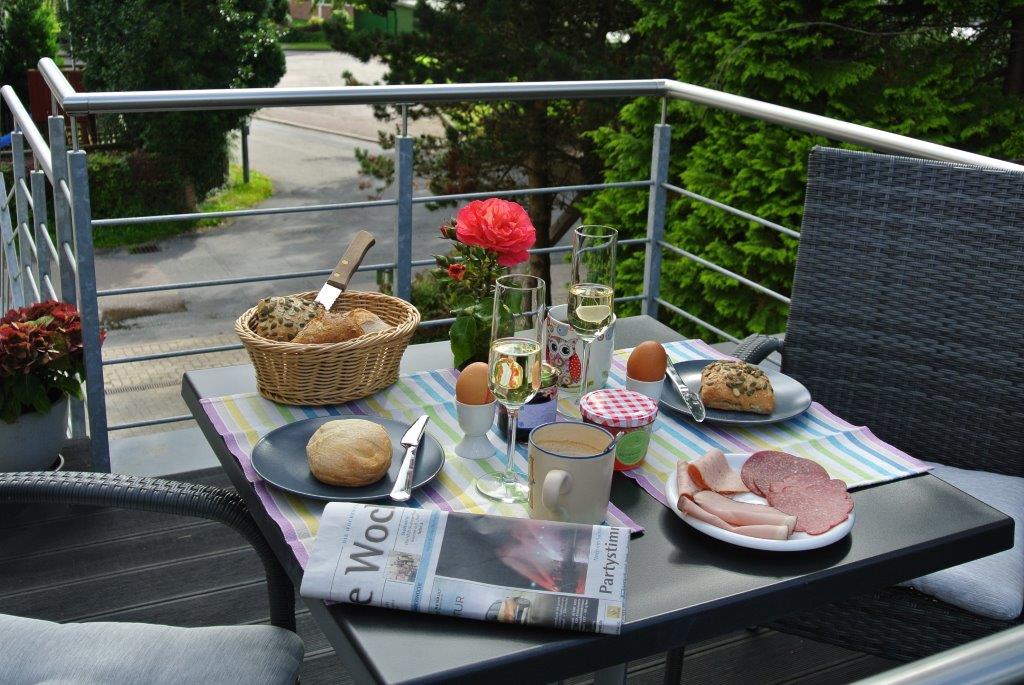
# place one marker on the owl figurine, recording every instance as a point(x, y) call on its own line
point(561, 354)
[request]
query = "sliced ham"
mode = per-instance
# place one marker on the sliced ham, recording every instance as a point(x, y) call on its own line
point(761, 469)
point(763, 531)
point(743, 513)
point(712, 472)
point(769, 532)
point(684, 484)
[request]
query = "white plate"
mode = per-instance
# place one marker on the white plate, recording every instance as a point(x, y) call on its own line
point(797, 542)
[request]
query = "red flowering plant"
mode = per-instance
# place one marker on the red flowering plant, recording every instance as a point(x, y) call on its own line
point(489, 236)
point(41, 358)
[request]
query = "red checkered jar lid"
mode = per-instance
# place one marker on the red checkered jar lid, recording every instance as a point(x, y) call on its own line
point(617, 408)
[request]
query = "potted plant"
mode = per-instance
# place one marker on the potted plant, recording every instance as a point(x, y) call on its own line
point(489, 236)
point(41, 365)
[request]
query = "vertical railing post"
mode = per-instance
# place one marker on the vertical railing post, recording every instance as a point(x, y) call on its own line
point(65, 236)
point(40, 225)
point(656, 218)
point(403, 225)
point(245, 151)
point(15, 288)
point(81, 211)
point(21, 204)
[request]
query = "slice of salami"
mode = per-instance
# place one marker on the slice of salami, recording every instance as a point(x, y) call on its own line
point(769, 467)
point(804, 479)
point(818, 506)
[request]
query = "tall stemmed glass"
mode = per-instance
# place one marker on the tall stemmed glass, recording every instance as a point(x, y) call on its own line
point(591, 288)
point(517, 340)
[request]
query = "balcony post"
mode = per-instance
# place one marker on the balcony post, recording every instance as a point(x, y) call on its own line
point(65, 235)
point(656, 218)
point(403, 226)
point(21, 200)
point(14, 290)
point(96, 402)
point(40, 225)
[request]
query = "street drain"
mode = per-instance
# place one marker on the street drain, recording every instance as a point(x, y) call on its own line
point(146, 248)
point(140, 387)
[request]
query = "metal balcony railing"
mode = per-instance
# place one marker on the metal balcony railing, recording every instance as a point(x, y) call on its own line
point(30, 257)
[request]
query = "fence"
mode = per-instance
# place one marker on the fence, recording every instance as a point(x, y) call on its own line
point(30, 257)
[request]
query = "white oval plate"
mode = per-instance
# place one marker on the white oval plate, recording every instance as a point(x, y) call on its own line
point(797, 542)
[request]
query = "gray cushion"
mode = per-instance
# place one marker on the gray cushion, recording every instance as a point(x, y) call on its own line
point(34, 651)
point(992, 586)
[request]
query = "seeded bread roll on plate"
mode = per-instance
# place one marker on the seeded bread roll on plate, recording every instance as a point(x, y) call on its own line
point(736, 386)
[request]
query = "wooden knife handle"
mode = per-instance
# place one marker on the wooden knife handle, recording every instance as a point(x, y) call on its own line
point(350, 261)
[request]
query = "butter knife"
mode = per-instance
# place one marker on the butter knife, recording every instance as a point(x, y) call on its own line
point(690, 398)
point(338, 280)
point(411, 441)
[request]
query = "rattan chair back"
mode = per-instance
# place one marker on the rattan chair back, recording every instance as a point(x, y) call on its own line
point(908, 304)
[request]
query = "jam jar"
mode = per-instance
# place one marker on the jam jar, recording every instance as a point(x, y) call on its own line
point(538, 411)
point(627, 415)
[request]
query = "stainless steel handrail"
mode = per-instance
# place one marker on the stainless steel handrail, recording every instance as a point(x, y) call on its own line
point(994, 660)
point(247, 98)
point(40, 150)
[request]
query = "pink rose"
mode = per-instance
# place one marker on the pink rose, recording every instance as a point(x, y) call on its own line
point(497, 225)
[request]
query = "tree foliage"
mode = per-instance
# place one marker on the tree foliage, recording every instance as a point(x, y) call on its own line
point(28, 32)
point(180, 44)
point(502, 145)
point(948, 71)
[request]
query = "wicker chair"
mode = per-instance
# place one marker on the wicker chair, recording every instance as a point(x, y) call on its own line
point(907, 312)
point(169, 497)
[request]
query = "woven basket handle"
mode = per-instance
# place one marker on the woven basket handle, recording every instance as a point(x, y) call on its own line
point(350, 261)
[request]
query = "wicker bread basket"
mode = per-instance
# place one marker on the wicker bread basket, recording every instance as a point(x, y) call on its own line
point(332, 373)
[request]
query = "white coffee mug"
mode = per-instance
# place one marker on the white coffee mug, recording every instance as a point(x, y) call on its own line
point(564, 351)
point(570, 469)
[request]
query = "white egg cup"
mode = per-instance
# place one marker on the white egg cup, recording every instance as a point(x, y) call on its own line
point(650, 389)
point(475, 420)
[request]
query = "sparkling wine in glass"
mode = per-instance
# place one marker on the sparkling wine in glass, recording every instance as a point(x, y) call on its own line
point(591, 305)
point(517, 340)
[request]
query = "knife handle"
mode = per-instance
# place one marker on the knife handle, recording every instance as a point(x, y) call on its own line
point(403, 482)
point(350, 261)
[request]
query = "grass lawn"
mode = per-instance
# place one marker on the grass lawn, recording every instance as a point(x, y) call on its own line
point(319, 45)
point(231, 196)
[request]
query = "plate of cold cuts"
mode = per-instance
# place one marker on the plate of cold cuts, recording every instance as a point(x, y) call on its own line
point(767, 500)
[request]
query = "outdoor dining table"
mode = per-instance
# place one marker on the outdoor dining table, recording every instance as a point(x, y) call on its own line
point(682, 586)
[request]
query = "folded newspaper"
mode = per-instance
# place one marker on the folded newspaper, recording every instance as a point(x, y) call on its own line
point(490, 568)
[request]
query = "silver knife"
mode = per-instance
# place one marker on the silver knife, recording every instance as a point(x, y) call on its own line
point(338, 280)
point(690, 398)
point(411, 440)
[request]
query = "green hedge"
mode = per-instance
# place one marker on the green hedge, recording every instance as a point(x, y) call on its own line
point(134, 184)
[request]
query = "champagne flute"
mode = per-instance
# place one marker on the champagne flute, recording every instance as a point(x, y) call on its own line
point(592, 288)
point(517, 340)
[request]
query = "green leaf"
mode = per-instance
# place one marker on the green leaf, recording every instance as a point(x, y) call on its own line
point(463, 334)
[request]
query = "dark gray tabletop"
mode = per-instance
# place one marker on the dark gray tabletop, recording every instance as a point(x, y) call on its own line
point(681, 585)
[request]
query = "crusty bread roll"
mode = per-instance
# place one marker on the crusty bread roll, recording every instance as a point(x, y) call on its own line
point(281, 318)
point(349, 452)
point(736, 386)
point(330, 327)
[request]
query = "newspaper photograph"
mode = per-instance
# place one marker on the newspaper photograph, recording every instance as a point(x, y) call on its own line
point(490, 568)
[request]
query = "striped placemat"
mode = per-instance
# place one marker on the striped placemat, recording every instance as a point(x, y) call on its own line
point(241, 420)
point(852, 453)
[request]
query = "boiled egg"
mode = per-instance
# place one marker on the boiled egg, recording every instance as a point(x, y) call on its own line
point(647, 362)
point(471, 385)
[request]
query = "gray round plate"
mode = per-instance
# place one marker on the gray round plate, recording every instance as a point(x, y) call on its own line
point(280, 459)
point(791, 397)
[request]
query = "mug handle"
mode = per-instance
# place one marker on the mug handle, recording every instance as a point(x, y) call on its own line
point(557, 482)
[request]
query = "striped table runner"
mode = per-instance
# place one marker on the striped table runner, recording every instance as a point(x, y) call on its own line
point(849, 452)
point(241, 420)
